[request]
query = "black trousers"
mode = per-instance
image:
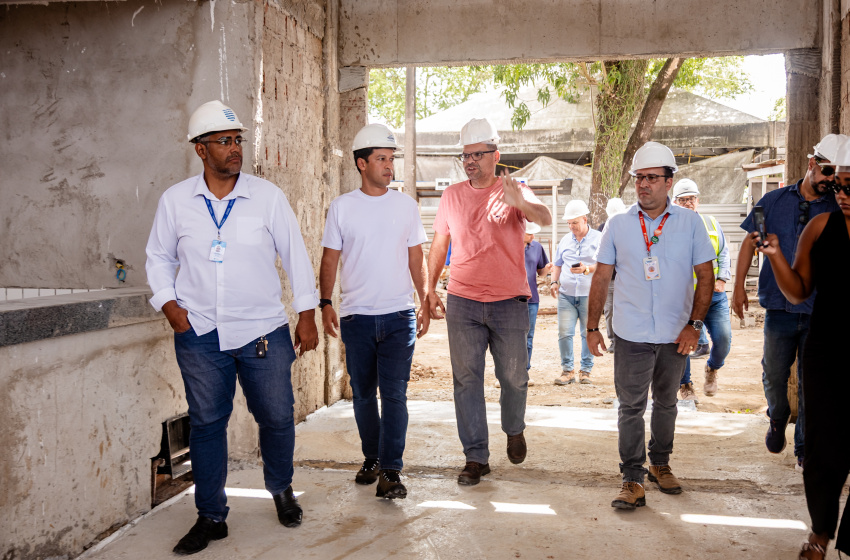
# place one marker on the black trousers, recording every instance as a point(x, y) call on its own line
point(826, 381)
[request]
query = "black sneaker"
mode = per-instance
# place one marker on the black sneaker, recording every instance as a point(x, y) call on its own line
point(390, 486)
point(702, 350)
point(368, 473)
point(199, 536)
point(775, 438)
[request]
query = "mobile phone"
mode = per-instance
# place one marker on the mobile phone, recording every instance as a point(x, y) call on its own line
point(758, 218)
point(576, 264)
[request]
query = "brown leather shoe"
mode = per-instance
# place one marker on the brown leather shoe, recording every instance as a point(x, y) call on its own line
point(584, 377)
point(472, 473)
point(665, 479)
point(631, 496)
point(710, 386)
point(517, 449)
point(566, 378)
point(686, 393)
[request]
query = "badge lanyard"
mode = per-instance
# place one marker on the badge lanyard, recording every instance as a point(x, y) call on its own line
point(227, 213)
point(656, 234)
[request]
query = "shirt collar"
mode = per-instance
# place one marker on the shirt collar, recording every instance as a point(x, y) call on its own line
point(240, 190)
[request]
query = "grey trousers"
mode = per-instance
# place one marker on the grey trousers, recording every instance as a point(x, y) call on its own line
point(637, 366)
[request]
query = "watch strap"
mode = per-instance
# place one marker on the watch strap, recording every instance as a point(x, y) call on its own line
point(324, 302)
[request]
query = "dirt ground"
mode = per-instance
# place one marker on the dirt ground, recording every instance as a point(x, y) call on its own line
point(740, 386)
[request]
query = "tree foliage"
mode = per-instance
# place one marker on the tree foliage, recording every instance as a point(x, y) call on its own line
point(437, 89)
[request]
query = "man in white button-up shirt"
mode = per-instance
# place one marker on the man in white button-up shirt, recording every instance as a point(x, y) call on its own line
point(211, 267)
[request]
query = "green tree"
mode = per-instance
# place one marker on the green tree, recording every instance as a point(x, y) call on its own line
point(437, 89)
point(778, 111)
point(628, 93)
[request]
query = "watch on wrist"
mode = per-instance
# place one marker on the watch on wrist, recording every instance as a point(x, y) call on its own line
point(553, 283)
point(697, 325)
point(593, 330)
point(324, 302)
point(586, 270)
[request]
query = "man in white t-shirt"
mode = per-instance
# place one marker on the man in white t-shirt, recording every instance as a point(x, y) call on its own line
point(378, 233)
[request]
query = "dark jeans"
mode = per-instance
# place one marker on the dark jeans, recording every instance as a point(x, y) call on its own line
point(532, 321)
point(637, 367)
point(719, 326)
point(784, 339)
point(210, 375)
point(473, 326)
point(378, 353)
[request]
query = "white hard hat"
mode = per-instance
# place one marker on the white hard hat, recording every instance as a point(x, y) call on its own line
point(213, 116)
point(575, 208)
point(685, 187)
point(827, 147)
point(653, 154)
point(478, 131)
point(532, 228)
point(374, 135)
point(842, 155)
point(615, 206)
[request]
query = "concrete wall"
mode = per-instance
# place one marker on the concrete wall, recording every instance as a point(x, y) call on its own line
point(434, 32)
point(81, 416)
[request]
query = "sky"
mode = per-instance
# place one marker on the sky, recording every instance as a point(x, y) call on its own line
point(767, 73)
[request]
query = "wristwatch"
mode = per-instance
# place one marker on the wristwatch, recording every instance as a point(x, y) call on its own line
point(555, 282)
point(697, 325)
point(586, 270)
point(324, 302)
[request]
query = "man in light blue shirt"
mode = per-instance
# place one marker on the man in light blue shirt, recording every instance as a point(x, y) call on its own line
point(574, 264)
point(656, 248)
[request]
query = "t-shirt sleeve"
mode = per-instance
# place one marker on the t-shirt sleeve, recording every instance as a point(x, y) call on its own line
point(559, 254)
point(607, 253)
point(417, 234)
point(749, 224)
point(441, 220)
point(332, 238)
point(543, 260)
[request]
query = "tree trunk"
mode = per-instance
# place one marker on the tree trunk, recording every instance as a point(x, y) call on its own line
point(620, 98)
point(646, 122)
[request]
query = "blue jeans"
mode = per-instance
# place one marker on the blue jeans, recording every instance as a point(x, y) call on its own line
point(572, 309)
point(532, 321)
point(719, 326)
point(784, 339)
point(209, 375)
point(378, 353)
point(473, 326)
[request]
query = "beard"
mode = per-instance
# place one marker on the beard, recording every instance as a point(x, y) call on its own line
point(824, 187)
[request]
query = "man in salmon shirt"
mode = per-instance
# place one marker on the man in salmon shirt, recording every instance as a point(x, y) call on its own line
point(484, 218)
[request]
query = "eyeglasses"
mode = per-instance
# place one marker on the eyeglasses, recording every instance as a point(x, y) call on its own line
point(826, 170)
point(686, 199)
point(475, 156)
point(650, 178)
point(225, 141)
point(804, 207)
point(836, 188)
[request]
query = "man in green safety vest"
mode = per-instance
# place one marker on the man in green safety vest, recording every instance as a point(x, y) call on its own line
point(717, 321)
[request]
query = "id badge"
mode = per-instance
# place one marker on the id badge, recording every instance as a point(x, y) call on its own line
point(651, 269)
point(217, 251)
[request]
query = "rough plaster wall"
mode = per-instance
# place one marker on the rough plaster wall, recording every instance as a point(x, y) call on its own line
point(81, 418)
point(844, 122)
point(95, 99)
point(292, 155)
point(803, 68)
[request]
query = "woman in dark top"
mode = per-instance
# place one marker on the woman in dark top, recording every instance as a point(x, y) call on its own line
point(822, 264)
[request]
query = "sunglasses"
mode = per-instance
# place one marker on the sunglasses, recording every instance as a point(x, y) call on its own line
point(804, 207)
point(836, 188)
point(826, 170)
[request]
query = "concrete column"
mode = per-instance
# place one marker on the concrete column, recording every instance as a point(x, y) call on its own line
point(410, 133)
point(803, 67)
point(830, 86)
point(353, 115)
point(844, 116)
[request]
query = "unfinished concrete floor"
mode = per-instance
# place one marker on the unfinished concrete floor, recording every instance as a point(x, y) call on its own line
point(739, 501)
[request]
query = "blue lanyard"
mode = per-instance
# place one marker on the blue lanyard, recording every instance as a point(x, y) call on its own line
point(223, 218)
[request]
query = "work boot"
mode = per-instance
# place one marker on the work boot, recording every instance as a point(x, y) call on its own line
point(202, 532)
point(710, 386)
point(584, 377)
point(472, 473)
point(517, 448)
point(631, 496)
point(390, 486)
point(701, 351)
point(368, 473)
point(566, 378)
point(665, 479)
point(686, 393)
point(289, 511)
point(774, 440)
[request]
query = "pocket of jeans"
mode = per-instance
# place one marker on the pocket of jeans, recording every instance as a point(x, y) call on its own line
point(521, 299)
point(347, 318)
point(405, 314)
point(187, 331)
